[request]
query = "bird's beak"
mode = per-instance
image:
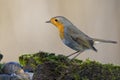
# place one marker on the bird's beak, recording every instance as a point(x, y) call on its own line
point(48, 22)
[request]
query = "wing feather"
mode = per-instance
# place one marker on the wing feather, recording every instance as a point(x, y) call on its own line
point(81, 39)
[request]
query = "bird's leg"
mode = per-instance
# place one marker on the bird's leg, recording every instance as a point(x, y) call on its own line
point(76, 55)
point(72, 53)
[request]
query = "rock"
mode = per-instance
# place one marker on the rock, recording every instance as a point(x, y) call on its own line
point(48, 71)
point(51, 67)
point(12, 68)
point(44, 72)
point(14, 71)
point(87, 70)
point(30, 75)
point(5, 77)
point(22, 76)
point(9, 77)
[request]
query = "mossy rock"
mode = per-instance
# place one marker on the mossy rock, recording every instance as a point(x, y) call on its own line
point(48, 66)
point(31, 61)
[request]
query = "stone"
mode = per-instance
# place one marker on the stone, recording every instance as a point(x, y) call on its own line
point(14, 71)
point(12, 68)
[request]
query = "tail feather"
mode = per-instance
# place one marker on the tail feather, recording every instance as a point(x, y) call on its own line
point(105, 41)
point(94, 49)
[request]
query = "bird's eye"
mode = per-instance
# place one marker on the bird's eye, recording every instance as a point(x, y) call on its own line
point(56, 20)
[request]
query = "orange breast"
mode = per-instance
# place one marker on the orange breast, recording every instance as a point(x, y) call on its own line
point(61, 30)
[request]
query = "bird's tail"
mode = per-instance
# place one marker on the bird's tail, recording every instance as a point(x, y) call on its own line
point(104, 41)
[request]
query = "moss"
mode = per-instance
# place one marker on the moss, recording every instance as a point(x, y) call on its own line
point(1, 66)
point(48, 66)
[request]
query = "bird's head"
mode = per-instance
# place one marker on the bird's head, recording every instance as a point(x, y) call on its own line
point(59, 21)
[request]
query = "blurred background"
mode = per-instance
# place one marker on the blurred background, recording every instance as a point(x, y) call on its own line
point(23, 28)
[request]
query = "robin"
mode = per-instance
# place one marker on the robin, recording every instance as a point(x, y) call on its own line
point(73, 37)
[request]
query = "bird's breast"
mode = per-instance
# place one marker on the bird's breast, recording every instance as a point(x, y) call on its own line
point(61, 31)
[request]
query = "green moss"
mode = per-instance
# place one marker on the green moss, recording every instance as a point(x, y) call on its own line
point(1, 66)
point(61, 68)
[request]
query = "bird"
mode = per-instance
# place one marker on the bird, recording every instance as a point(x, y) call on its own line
point(73, 37)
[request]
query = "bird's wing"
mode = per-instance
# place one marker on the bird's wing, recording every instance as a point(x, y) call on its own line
point(80, 38)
